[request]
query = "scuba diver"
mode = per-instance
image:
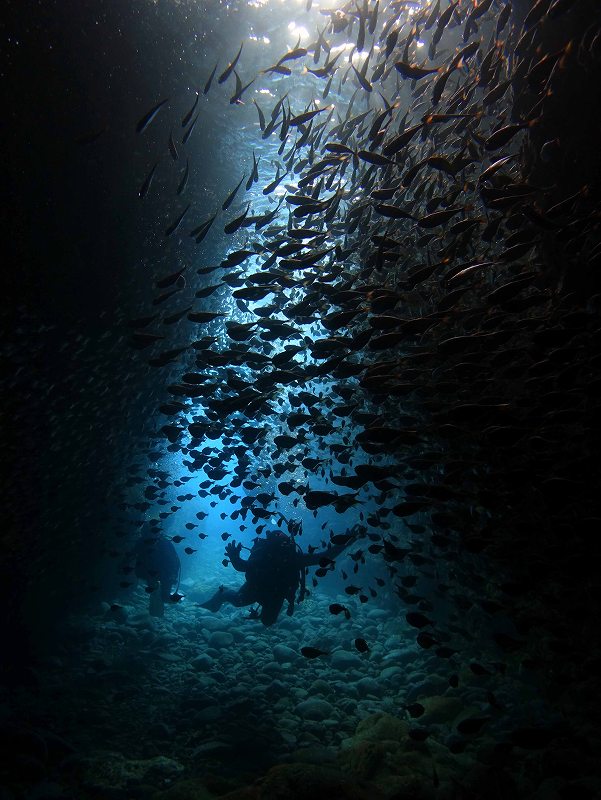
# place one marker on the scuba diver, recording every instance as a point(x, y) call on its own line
point(158, 564)
point(274, 571)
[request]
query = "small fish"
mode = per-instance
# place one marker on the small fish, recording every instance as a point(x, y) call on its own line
point(261, 115)
point(145, 121)
point(417, 620)
point(503, 135)
point(177, 222)
point(188, 133)
point(147, 182)
point(208, 290)
point(291, 55)
point(230, 198)
point(373, 18)
point(363, 82)
point(230, 67)
point(202, 317)
point(184, 181)
point(235, 224)
point(445, 17)
point(201, 231)
point(300, 119)
point(210, 79)
point(336, 608)
point(172, 147)
point(254, 173)
point(415, 710)
point(503, 18)
point(341, 538)
point(141, 339)
point(494, 167)
point(279, 68)
point(414, 72)
point(438, 217)
point(313, 652)
point(275, 182)
point(240, 89)
point(433, 15)
point(374, 158)
point(361, 645)
point(190, 550)
point(187, 117)
point(393, 553)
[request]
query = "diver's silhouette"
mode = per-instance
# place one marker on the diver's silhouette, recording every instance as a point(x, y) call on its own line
point(158, 564)
point(274, 571)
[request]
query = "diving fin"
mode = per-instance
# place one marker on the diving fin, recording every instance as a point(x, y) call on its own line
point(214, 603)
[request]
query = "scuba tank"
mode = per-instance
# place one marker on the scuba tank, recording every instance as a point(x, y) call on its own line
point(276, 553)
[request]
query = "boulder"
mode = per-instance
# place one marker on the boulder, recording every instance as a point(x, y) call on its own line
point(368, 686)
point(378, 614)
point(381, 727)
point(283, 654)
point(320, 686)
point(221, 639)
point(343, 659)
point(110, 770)
point(314, 708)
point(202, 663)
point(391, 672)
point(431, 685)
point(440, 709)
point(306, 782)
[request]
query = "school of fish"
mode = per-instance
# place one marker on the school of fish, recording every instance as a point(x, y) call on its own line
point(404, 320)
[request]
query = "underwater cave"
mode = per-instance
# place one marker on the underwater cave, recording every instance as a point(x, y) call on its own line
point(301, 391)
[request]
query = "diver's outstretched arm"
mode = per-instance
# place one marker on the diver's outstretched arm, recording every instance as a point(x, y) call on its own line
point(233, 553)
point(332, 552)
point(314, 559)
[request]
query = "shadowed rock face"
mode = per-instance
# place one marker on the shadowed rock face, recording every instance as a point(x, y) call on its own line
point(425, 365)
point(300, 781)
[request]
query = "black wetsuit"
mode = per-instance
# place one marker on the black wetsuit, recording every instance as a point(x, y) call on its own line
point(274, 571)
point(157, 562)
